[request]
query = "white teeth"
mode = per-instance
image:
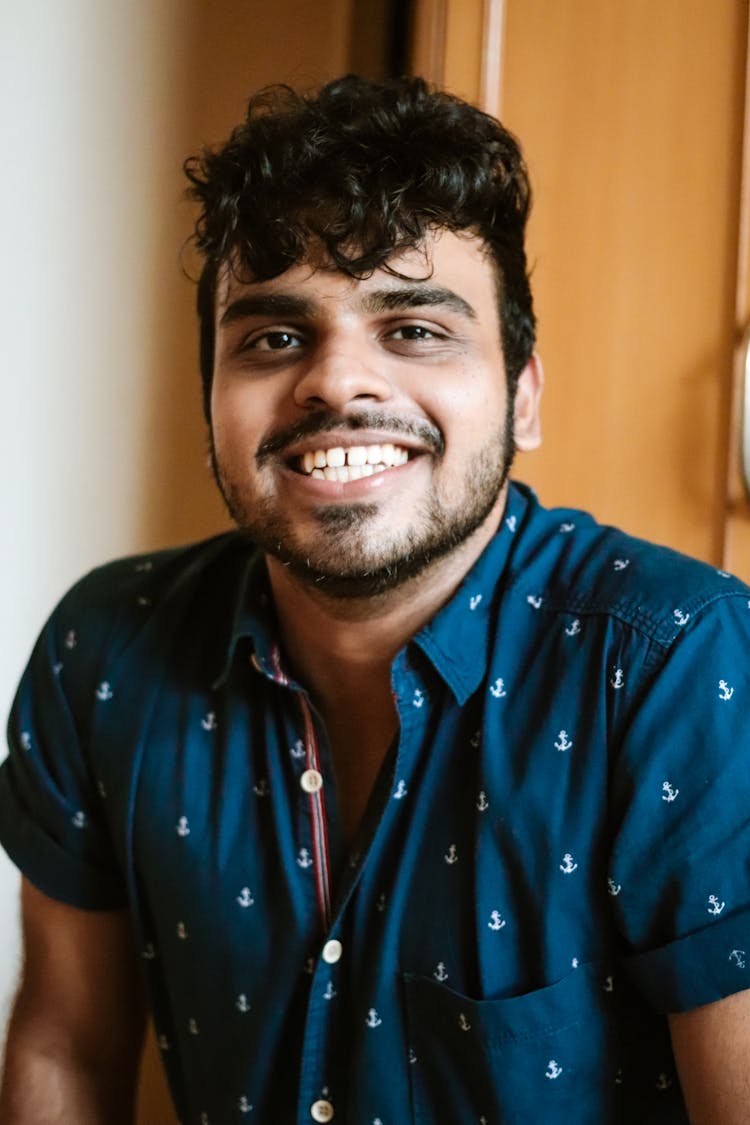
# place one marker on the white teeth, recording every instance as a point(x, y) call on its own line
point(357, 455)
point(362, 460)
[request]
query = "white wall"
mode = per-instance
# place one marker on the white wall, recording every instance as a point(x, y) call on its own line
point(90, 231)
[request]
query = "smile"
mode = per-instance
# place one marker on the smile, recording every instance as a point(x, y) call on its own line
point(350, 464)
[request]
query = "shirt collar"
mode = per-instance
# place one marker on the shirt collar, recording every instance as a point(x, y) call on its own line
point(456, 640)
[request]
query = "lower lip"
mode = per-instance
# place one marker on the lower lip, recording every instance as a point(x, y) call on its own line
point(321, 489)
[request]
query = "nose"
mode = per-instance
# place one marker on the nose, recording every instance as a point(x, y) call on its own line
point(339, 374)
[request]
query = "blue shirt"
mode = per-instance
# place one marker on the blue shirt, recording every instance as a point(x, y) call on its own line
point(555, 854)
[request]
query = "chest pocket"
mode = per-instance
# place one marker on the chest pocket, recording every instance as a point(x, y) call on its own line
point(549, 1056)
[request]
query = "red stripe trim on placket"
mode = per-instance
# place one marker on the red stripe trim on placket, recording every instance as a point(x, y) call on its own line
point(321, 857)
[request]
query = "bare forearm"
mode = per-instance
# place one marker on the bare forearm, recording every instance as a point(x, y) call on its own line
point(40, 1089)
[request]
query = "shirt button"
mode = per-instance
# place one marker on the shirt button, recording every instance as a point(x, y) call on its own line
point(321, 1110)
point(311, 781)
point(332, 951)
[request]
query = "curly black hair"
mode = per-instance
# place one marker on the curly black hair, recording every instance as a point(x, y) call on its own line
point(364, 169)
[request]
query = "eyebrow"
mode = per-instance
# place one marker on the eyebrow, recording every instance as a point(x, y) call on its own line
point(393, 298)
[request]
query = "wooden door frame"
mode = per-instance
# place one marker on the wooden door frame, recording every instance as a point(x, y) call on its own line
point(428, 47)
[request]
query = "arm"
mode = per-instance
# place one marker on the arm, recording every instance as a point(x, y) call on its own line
point(76, 1030)
point(712, 1051)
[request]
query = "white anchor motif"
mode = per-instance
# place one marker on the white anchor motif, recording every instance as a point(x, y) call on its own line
point(182, 931)
point(618, 1078)
point(620, 564)
point(725, 691)
point(377, 1121)
point(304, 858)
point(241, 1003)
point(613, 888)
point(463, 1023)
point(143, 567)
point(669, 793)
point(70, 639)
point(738, 956)
point(496, 921)
point(715, 907)
point(566, 527)
point(451, 856)
point(574, 963)
point(534, 602)
point(482, 803)
point(101, 789)
point(511, 523)
point(330, 991)
point(79, 820)
point(563, 743)
point(244, 898)
point(380, 904)
point(149, 953)
point(609, 984)
point(183, 828)
point(723, 574)
point(373, 1019)
point(574, 628)
point(618, 679)
point(104, 691)
point(208, 722)
point(193, 1027)
point(204, 1120)
point(680, 617)
point(261, 789)
point(498, 689)
point(475, 739)
point(553, 1070)
point(412, 1056)
point(298, 750)
point(244, 1106)
point(163, 1043)
point(568, 865)
point(143, 601)
point(58, 667)
point(25, 740)
point(662, 1082)
point(400, 791)
point(440, 973)
point(474, 601)
point(418, 700)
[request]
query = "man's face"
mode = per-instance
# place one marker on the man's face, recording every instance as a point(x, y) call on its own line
point(362, 429)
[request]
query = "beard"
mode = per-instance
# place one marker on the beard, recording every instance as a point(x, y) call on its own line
point(349, 557)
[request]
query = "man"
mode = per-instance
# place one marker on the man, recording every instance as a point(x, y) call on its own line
point(411, 800)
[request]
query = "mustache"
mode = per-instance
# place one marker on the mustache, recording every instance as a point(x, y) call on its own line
point(373, 420)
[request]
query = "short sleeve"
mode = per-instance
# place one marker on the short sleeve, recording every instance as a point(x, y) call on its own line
point(52, 817)
point(680, 865)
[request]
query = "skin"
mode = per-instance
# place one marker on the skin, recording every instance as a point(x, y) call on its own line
point(77, 1025)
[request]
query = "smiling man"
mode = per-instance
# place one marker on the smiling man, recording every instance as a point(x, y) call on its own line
point(390, 802)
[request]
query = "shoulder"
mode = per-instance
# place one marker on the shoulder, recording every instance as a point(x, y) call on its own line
point(577, 565)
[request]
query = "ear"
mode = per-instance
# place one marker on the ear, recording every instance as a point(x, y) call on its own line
point(527, 429)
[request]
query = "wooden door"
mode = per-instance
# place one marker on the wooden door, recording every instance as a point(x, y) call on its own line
point(631, 118)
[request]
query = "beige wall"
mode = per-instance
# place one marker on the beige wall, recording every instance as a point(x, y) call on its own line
point(102, 438)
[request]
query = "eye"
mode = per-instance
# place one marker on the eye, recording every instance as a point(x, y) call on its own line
point(273, 342)
point(414, 332)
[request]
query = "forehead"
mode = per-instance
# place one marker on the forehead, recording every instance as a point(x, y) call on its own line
point(457, 264)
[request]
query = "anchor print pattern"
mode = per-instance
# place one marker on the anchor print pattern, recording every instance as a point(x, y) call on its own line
point(669, 793)
point(553, 1070)
point(241, 1003)
point(662, 1082)
point(182, 931)
point(568, 865)
point(534, 601)
point(373, 1019)
point(618, 679)
point(563, 743)
point(566, 528)
point(613, 888)
point(463, 1023)
point(208, 722)
point(574, 628)
point(474, 601)
point(737, 956)
point(451, 856)
point(498, 689)
point(511, 523)
point(25, 740)
point(400, 791)
point(621, 564)
point(418, 698)
point(244, 1105)
point(496, 921)
point(104, 692)
point(79, 820)
point(183, 828)
point(440, 973)
point(298, 750)
point(681, 618)
point(725, 691)
point(304, 859)
point(482, 802)
point(262, 788)
point(714, 906)
point(245, 898)
point(330, 991)
point(70, 639)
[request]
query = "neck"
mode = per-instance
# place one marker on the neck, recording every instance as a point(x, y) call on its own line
point(334, 646)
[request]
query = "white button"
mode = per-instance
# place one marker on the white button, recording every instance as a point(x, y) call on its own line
point(332, 951)
point(311, 781)
point(321, 1111)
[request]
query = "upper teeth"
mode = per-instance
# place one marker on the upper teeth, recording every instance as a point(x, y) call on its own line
point(368, 458)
